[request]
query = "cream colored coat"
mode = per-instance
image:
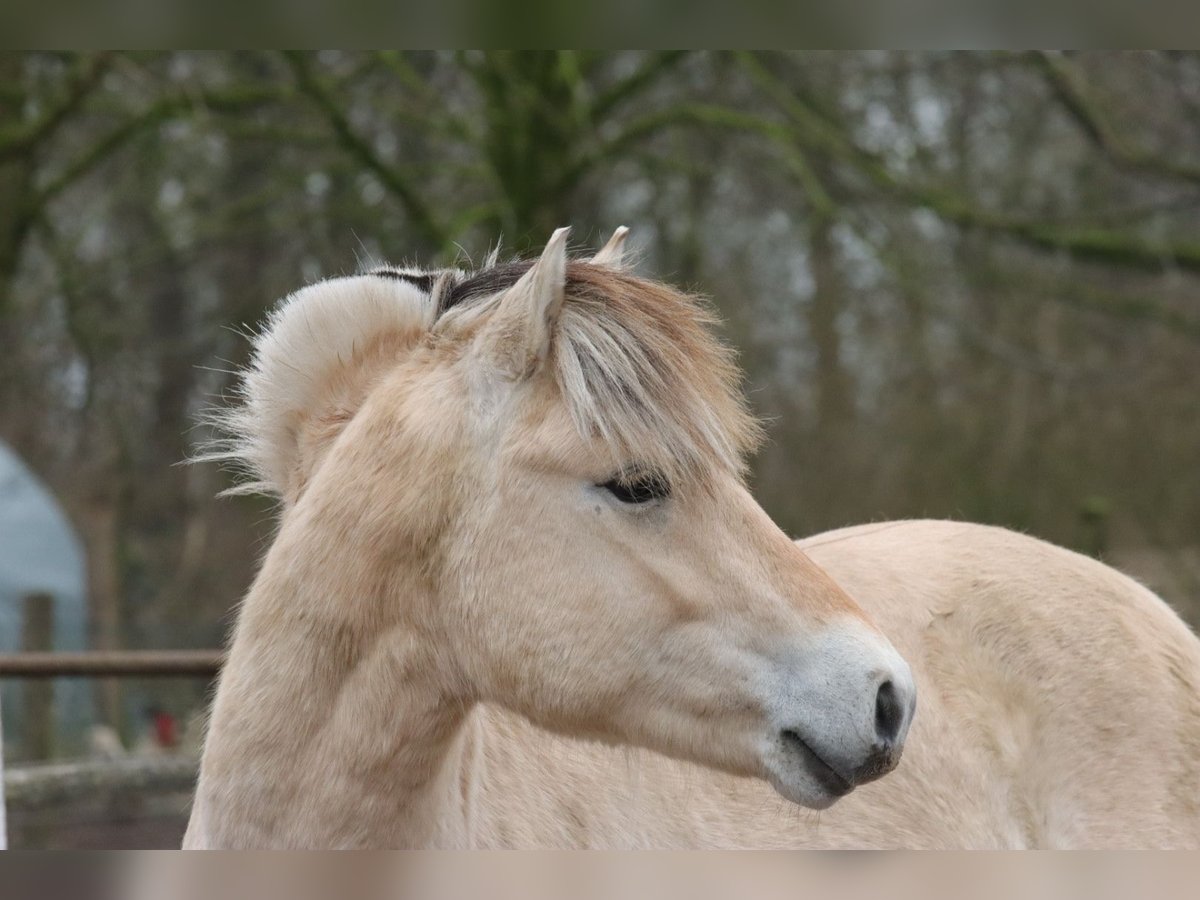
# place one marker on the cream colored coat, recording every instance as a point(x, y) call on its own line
point(459, 557)
point(1060, 708)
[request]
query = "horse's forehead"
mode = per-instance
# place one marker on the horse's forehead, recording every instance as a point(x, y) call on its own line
point(546, 437)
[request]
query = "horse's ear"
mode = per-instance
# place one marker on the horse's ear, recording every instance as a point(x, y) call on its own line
point(519, 335)
point(612, 254)
point(319, 355)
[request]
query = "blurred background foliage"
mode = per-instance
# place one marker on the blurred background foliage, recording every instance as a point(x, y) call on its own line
point(962, 284)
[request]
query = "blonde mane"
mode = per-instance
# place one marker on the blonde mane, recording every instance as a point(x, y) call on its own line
point(636, 362)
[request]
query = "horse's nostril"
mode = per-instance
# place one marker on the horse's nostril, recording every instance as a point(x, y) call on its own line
point(889, 713)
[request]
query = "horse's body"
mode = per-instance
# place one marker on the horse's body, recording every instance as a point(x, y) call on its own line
point(520, 597)
point(1060, 707)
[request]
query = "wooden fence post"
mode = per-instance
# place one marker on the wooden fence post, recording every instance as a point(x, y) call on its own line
point(37, 635)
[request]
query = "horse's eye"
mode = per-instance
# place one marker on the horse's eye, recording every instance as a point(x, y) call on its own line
point(637, 488)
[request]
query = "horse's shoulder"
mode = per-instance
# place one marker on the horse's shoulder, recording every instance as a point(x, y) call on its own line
point(1036, 606)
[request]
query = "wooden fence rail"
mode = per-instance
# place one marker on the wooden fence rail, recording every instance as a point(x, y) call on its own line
point(111, 664)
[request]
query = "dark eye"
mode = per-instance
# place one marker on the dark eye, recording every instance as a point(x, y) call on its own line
point(639, 487)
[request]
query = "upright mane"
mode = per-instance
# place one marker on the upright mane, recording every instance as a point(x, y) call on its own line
point(637, 363)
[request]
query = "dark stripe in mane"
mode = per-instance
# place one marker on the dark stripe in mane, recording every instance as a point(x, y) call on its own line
point(459, 292)
point(483, 284)
point(423, 281)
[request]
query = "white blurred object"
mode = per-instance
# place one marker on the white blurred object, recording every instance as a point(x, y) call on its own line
point(104, 743)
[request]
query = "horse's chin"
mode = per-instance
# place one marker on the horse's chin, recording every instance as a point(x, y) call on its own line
point(799, 775)
point(807, 795)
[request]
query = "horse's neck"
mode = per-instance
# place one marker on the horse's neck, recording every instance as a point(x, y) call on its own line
point(529, 788)
point(325, 731)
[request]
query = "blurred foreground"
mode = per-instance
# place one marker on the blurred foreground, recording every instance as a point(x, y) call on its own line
point(601, 876)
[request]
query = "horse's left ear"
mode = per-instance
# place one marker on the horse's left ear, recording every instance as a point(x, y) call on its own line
point(612, 254)
point(522, 328)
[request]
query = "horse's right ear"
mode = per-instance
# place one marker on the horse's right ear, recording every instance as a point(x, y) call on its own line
point(320, 353)
point(519, 335)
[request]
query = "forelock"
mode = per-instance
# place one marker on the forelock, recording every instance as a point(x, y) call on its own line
point(637, 363)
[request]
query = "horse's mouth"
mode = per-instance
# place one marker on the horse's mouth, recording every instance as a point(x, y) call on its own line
point(824, 774)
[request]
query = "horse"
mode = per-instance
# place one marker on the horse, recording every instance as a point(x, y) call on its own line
point(520, 596)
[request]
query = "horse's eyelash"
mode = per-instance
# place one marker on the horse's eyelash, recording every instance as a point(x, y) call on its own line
point(638, 487)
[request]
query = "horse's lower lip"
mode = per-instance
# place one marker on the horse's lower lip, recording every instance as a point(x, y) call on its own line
point(820, 770)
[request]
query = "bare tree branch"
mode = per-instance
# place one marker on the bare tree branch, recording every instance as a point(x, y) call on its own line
point(230, 100)
point(416, 207)
point(1110, 246)
point(704, 116)
point(1067, 86)
point(644, 78)
point(82, 82)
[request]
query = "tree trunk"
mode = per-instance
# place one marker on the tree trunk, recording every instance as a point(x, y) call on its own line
point(832, 386)
point(16, 186)
point(828, 496)
point(99, 525)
